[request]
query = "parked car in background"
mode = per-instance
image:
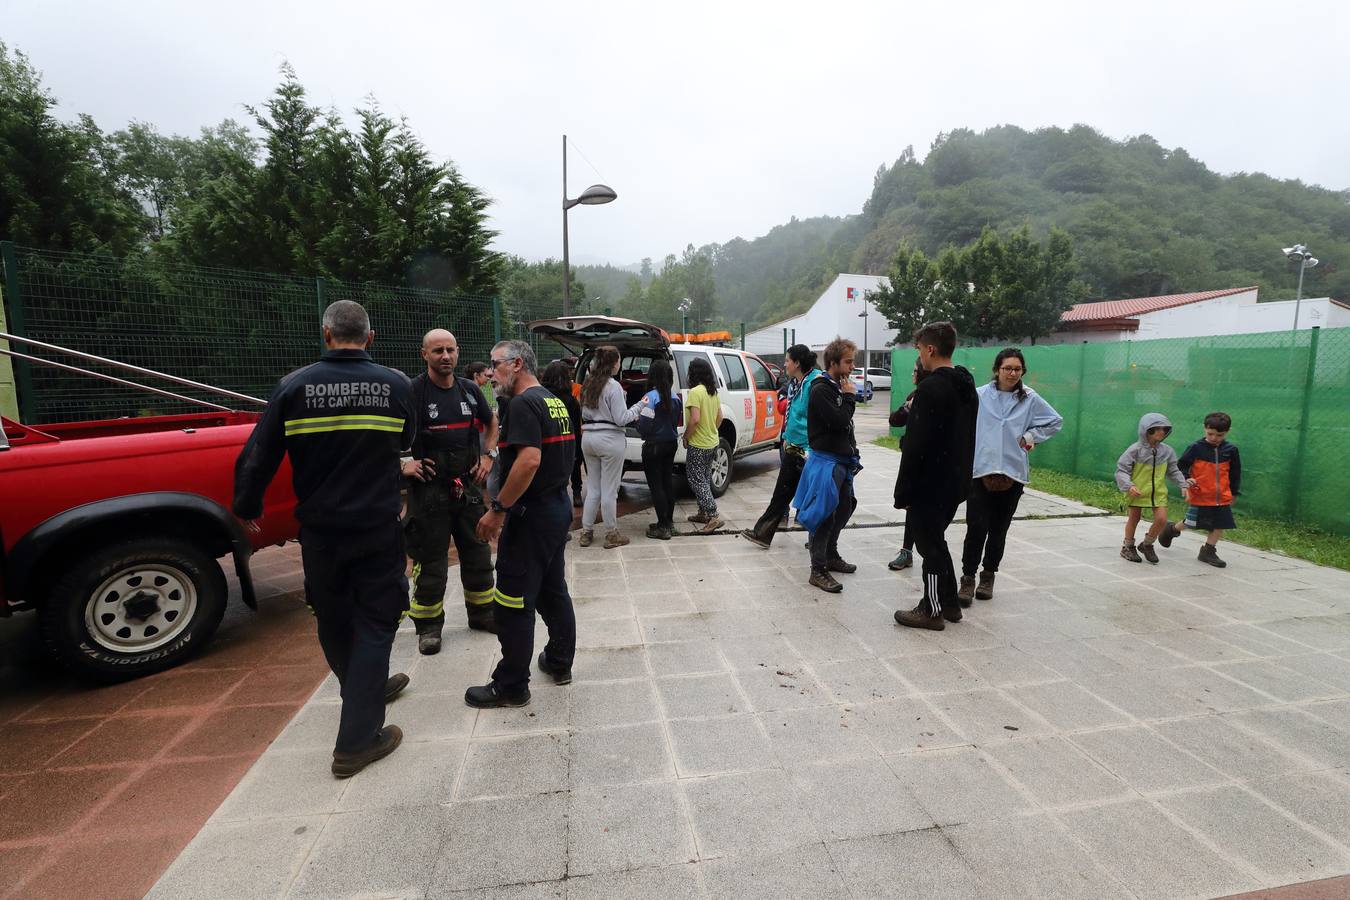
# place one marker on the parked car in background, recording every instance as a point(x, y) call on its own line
point(876, 378)
point(863, 385)
point(746, 387)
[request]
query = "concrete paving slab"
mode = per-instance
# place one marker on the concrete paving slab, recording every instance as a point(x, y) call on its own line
point(823, 734)
point(924, 862)
point(806, 872)
point(959, 785)
point(516, 766)
point(245, 860)
point(1146, 761)
point(623, 755)
point(679, 882)
point(1261, 836)
point(619, 827)
point(768, 814)
point(387, 853)
point(506, 841)
point(862, 798)
point(1056, 773)
point(1320, 800)
point(1238, 753)
point(1032, 856)
point(1066, 706)
point(720, 745)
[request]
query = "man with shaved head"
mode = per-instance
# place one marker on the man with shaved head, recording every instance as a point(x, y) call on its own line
point(453, 452)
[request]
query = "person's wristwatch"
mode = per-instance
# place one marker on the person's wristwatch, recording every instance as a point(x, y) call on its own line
point(492, 453)
point(496, 506)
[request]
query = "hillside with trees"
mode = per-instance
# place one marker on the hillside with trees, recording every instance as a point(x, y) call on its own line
point(1141, 219)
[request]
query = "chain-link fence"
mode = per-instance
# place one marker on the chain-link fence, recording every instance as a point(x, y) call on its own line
point(1288, 394)
point(228, 328)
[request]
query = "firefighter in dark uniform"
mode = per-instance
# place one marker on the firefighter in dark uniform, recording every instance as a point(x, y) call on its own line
point(344, 421)
point(530, 517)
point(453, 451)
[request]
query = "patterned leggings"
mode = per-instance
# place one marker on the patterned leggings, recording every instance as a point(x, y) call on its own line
point(698, 467)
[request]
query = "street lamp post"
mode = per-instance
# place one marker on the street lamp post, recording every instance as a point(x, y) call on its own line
point(863, 315)
point(685, 305)
point(1299, 254)
point(592, 196)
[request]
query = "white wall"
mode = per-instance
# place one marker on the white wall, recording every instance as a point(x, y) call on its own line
point(833, 315)
point(1234, 314)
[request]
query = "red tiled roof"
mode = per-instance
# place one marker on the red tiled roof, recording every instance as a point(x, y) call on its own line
point(1121, 309)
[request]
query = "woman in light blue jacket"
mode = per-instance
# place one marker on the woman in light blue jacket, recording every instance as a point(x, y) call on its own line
point(1013, 419)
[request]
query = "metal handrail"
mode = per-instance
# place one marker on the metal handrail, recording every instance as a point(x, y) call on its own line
point(186, 382)
point(113, 378)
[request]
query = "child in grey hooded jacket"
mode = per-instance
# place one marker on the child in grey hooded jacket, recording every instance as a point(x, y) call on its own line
point(1141, 474)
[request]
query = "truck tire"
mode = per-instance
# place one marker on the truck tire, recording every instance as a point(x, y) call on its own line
point(721, 467)
point(133, 608)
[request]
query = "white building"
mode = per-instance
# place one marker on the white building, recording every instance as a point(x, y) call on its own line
point(1205, 314)
point(836, 313)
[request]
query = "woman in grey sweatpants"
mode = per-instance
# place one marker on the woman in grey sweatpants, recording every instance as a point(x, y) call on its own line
point(604, 413)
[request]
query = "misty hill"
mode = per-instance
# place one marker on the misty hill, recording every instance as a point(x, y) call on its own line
point(1145, 220)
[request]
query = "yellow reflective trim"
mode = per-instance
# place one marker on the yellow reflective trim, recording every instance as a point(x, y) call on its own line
point(326, 420)
point(291, 431)
point(427, 611)
point(479, 598)
point(508, 601)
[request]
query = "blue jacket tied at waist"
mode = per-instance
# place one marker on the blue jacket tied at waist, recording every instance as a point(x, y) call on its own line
point(817, 496)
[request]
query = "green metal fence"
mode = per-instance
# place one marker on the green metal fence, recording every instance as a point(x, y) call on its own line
point(234, 329)
point(1288, 394)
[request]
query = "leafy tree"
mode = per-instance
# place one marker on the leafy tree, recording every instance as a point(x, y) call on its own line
point(57, 189)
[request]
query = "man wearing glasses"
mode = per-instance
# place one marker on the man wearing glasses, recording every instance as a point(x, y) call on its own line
point(529, 518)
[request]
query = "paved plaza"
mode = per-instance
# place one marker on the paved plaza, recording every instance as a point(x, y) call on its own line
point(1100, 729)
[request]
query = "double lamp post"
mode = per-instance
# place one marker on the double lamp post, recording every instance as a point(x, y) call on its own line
point(592, 196)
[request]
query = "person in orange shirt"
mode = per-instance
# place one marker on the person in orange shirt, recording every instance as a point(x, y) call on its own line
point(1213, 470)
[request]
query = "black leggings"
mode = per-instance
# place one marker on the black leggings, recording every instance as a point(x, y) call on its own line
point(988, 515)
point(658, 464)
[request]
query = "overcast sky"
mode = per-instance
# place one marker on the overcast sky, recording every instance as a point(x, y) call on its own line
point(716, 120)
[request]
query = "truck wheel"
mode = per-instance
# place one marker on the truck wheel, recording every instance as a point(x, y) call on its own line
point(721, 468)
point(133, 608)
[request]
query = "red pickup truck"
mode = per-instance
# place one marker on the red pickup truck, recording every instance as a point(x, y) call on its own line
point(111, 530)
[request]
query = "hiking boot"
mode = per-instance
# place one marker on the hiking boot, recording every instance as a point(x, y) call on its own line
point(1210, 556)
point(584, 539)
point(1127, 552)
point(615, 539)
point(345, 765)
point(965, 594)
point(749, 535)
point(488, 697)
point(919, 617)
point(665, 533)
point(839, 565)
point(481, 617)
point(825, 581)
point(697, 518)
point(559, 675)
point(985, 589)
point(714, 522)
point(1169, 532)
point(394, 686)
point(1146, 550)
point(903, 560)
point(429, 644)
point(652, 529)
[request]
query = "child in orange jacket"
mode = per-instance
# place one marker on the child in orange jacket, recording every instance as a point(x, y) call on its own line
point(1213, 470)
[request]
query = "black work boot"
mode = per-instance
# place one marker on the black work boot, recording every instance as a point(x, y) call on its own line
point(920, 617)
point(429, 642)
point(488, 697)
point(1127, 552)
point(838, 565)
point(1211, 556)
point(1169, 532)
point(345, 765)
point(985, 589)
point(822, 579)
point(749, 535)
point(559, 675)
point(481, 617)
point(1146, 550)
point(965, 594)
point(394, 686)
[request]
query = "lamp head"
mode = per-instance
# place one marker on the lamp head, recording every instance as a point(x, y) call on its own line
point(597, 194)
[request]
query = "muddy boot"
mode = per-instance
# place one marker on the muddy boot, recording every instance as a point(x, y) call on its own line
point(985, 589)
point(615, 539)
point(920, 617)
point(1127, 552)
point(584, 539)
point(1146, 550)
point(825, 581)
point(838, 564)
point(1210, 556)
point(1169, 532)
point(480, 617)
point(429, 642)
point(965, 594)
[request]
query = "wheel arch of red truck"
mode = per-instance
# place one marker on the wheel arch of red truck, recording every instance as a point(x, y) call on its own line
point(202, 518)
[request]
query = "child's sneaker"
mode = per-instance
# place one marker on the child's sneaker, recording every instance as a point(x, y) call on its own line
point(1146, 548)
point(1128, 552)
point(1211, 556)
point(1169, 532)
